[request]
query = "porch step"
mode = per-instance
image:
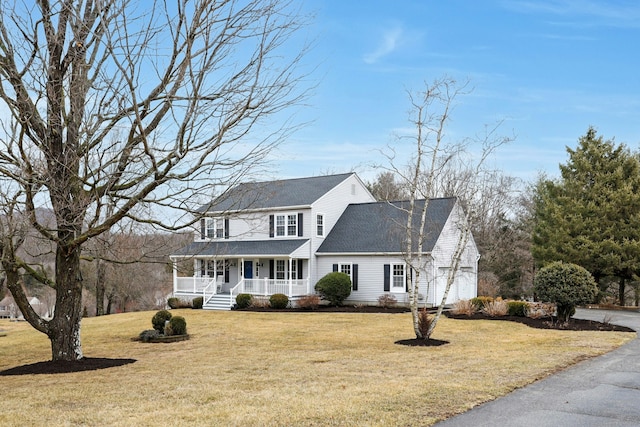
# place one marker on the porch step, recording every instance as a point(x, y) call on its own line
point(218, 302)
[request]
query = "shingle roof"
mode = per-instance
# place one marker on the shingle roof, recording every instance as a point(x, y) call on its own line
point(273, 194)
point(380, 227)
point(273, 247)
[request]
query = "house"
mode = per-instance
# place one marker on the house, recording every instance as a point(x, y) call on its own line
point(282, 236)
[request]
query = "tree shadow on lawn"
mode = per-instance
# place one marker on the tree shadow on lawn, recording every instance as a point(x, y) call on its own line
point(65, 367)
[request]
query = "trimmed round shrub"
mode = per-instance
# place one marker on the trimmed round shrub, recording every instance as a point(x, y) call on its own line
point(567, 285)
point(279, 301)
point(173, 302)
point(244, 300)
point(159, 319)
point(197, 302)
point(517, 308)
point(178, 325)
point(334, 287)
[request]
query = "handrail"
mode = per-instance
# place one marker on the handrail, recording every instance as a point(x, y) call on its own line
point(240, 283)
point(204, 291)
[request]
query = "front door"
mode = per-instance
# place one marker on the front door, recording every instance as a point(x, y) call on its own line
point(248, 269)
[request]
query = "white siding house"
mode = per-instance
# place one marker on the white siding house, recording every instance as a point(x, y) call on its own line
point(282, 236)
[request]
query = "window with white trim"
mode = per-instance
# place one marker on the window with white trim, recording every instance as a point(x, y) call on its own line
point(280, 229)
point(293, 274)
point(280, 269)
point(214, 228)
point(398, 277)
point(346, 269)
point(320, 225)
point(286, 225)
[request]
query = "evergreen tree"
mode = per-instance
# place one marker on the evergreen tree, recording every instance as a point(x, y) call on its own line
point(591, 215)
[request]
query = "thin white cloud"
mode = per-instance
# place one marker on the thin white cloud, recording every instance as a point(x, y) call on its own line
point(390, 41)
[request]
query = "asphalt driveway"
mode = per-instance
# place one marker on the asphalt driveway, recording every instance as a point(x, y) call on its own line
point(603, 391)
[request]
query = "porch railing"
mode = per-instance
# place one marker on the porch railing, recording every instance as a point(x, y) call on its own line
point(194, 285)
point(266, 287)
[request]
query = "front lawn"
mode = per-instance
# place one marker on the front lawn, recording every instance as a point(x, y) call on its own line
point(251, 368)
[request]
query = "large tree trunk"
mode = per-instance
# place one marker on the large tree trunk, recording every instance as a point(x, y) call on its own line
point(64, 328)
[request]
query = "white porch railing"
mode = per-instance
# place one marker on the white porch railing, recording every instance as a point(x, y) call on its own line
point(192, 284)
point(266, 287)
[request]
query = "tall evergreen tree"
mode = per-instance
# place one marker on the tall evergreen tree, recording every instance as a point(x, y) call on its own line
point(591, 215)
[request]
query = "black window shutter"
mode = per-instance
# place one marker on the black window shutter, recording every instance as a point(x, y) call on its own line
point(335, 267)
point(226, 228)
point(354, 273)
point(300, 224)
point(387, 277)
point(202, 229)
point(299, 269)
point(271, 225)
point(271, 267)
point(226, 271)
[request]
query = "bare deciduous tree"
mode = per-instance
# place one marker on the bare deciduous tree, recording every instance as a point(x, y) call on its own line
point(120, 103)
point(426, 177)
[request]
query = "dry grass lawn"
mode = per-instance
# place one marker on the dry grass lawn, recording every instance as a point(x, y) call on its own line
point(256, 369)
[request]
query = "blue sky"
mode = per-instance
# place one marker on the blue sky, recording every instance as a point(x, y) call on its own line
point(548, 68)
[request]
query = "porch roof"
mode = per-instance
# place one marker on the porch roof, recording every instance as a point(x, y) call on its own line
point(274, 247)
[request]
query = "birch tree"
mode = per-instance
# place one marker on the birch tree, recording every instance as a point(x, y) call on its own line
point(126, 104)
point(433, 153)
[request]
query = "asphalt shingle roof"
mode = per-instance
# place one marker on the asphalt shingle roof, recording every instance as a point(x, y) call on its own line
point(273, 247)
point(380, 227)
point(274, 194)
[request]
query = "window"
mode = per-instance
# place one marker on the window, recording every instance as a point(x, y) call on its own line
point(213, 228)
point(345, 268)
point(292, 225)
point(320, 225)
point(220, 266)
point(280, 270)
point(285, 225)
point(280, 225)
point(293, 274)
point(398, 282)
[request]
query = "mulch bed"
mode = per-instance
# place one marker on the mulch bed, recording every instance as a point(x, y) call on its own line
point(65, 367)
point(547, 322)
point(332, 309)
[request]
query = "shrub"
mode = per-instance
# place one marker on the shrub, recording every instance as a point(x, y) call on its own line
point(495, 308)
point(424, 323)
point(538, 310)
point(197, 303)
point(148, 335)
point(517, 308)
point(159, 319)
point(244, 300)
point(480, 302)
point(334, 287)
point(174, 302)
point(310, 302)
point(178, 325)
point(566, 284)
point(465, 307)
point(387, 300)
point(278, 301)
point(260, 302)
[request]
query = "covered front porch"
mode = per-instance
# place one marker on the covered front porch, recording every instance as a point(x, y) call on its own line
point(229, 274)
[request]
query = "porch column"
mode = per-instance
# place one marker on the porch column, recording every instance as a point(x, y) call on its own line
point(174, 265)
point(241, 273)
point(290, 278)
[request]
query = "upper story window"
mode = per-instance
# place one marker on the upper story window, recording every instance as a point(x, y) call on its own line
point(214, 228)
point(285, 225)
point(320, 225)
